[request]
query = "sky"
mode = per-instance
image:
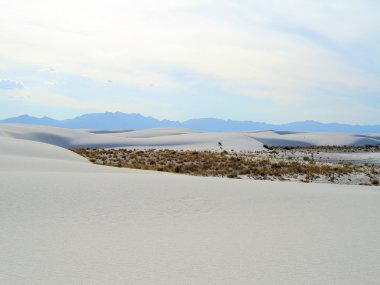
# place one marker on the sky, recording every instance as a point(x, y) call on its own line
point(276, 61)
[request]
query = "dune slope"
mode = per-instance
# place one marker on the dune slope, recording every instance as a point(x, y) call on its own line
point(154, 138)
point(66, 221)
point(177, 138)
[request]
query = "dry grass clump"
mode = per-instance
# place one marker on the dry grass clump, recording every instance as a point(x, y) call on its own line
point(257, 165)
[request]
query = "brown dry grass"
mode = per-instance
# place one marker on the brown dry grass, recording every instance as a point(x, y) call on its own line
point(257, 165)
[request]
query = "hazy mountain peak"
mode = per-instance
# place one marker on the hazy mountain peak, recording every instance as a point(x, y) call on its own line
point(135, 121)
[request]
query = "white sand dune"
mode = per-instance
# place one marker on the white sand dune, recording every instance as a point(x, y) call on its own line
point(59, 136)
point(17, 154)
point(31, 156)
point(154, 138)
point(66, 221)
point(157, 132)
point(199, 141)
point(26, 149)
point(175, 138)
point(318, 138)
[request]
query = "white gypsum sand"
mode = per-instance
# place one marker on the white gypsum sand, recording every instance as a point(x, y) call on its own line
point(174, 138)
point(66, 221)
point(316, 138)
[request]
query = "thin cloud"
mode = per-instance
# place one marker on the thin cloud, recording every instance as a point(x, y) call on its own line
point(6, 84)
point(275, 51)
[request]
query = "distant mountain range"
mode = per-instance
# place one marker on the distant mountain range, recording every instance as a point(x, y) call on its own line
point(122, 121)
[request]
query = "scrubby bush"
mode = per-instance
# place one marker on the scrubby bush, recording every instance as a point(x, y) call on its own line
point(258, 165)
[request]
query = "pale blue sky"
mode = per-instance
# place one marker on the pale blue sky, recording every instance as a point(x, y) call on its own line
point(273, 61)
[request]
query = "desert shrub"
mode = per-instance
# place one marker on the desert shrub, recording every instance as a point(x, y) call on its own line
point(258, 165)
point(232, 175)
point(267, 147)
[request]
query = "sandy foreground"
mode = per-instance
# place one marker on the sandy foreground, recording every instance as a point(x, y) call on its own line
point(66, 221)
